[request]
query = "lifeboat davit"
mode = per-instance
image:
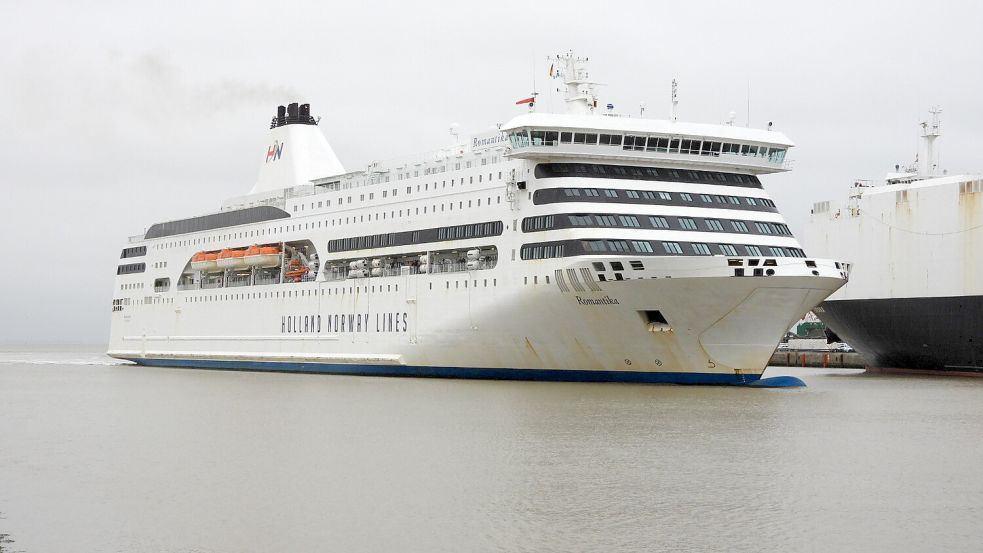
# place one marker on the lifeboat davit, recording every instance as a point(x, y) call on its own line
point(265, 257)
point(232, 259)
point(205, 261)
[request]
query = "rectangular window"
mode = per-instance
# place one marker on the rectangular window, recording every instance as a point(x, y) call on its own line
point(618, 245)
point(701, 249)
point(659, 222)
point(641, 246)
point(672, 248)
point(610, 139)
point(566, 137)
point(594, 245)
point(628, 220)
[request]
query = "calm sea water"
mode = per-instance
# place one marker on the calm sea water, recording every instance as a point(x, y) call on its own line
point(96, 456)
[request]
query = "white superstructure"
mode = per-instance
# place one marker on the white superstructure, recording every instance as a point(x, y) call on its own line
point(578, 246)
point(915, 296)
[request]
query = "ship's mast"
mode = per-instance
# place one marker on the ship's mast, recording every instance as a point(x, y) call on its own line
point(930, 131)
point(581, 98)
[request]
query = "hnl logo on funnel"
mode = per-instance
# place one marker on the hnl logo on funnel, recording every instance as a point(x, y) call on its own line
point(275, 151)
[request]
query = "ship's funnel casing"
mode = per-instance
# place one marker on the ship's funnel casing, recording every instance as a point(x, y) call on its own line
point(296, 154)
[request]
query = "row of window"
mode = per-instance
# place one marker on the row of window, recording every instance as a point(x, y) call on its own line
point(628, 172)
point(651, 197)
point(655, 222)
point(639, 143)
point(342, 200)
point(316, 224)
point(131, 268)
point(570, 248)
point(438, 234)
point(214, 221)
point(138, 251)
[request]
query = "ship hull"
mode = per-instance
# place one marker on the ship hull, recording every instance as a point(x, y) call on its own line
point(473, 373)
point(940, 335)
point(718, 330)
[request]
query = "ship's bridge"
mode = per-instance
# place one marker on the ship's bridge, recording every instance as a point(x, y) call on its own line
point(695, 145)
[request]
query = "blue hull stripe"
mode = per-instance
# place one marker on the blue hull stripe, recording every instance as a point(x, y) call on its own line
point(555, 375)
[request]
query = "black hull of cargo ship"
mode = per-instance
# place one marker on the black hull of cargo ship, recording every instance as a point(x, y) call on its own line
point(916, 334)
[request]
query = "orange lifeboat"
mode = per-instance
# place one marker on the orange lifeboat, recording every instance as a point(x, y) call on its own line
point(232, 259)
point(265, 257)
point(296, 275)
point(204, 261)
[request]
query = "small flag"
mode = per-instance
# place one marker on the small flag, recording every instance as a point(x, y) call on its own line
point(551, 70)
point(528, 100)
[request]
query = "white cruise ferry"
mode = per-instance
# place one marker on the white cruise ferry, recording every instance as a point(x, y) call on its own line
point(577, 246)
point(915, 297)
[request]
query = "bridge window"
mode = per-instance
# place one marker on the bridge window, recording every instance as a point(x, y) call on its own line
point(636, 143)
point(610, 139)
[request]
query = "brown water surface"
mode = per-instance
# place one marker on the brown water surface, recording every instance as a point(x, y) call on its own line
point(103, 457)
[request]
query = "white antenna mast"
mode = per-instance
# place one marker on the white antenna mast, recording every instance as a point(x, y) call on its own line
point(675, 101)
point(747, 123)
point(930, 132)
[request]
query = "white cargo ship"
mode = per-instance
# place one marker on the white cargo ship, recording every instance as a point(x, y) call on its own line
point(575, 246)
point(915, 297)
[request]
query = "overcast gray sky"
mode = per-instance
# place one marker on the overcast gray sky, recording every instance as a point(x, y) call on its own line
point(117, 115)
